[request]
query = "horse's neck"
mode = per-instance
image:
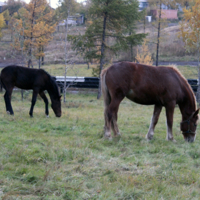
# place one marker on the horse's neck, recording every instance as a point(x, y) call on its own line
point(188, 106)
point(51, 90)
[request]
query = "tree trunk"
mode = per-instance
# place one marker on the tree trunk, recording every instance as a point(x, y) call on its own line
point(42, 60)
point(65, 82)
point(131, 48)
point(30, 63)
point(158, 38)
point(102, 54)
point(39, 62)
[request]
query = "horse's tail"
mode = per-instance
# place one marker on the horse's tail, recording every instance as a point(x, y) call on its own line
point(104, 89)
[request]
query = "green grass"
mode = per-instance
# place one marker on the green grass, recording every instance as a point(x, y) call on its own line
point(68, 158)
point(82, 70)
point(72, 70)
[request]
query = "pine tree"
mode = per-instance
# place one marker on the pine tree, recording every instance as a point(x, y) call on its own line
point(111, 19)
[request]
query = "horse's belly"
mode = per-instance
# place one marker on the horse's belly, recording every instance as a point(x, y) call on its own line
point(142, 98)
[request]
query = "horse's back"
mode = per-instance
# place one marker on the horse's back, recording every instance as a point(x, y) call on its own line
point(22, 77)
point(145, 84)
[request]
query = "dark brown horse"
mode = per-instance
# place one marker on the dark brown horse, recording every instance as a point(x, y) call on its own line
point(37, 80)
point(149, 85)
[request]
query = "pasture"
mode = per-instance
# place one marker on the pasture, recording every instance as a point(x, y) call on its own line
point(68, 158)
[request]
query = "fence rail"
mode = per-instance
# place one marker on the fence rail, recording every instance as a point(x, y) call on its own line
point(194, 84)
point(77, 82)
point(93, 82)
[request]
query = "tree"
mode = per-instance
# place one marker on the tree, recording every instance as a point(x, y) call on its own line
point(6, 16)
point(65, 6)
point(86, 49)
point(35, 24)
point(13, 6)
point(159, 22)
point(143, 55)
point(190, 34)
point(110, 19)
point(2, 23)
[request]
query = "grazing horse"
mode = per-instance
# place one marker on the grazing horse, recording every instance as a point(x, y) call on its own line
point(149, 85)
point(36, 79)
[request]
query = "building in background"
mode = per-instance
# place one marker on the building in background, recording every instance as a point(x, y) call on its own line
point(166, 11)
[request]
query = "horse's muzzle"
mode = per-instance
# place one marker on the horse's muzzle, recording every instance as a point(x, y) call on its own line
point(190, 139)
point(58, 115)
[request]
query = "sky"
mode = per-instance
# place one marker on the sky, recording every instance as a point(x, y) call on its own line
point(54, 3)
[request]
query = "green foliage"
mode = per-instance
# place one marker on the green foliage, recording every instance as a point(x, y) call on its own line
point(108, 27)
point(13, 6)
point(66, 8)
point(82, 45)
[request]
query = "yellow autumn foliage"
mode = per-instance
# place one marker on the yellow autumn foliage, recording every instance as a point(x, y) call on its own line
point(143, 54)
point(35, 24)
point(190, 27)
point(2, 23)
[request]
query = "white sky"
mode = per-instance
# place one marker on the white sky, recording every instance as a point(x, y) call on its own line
point(53, 3)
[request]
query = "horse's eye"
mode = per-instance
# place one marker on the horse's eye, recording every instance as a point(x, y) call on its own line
point(195, 124)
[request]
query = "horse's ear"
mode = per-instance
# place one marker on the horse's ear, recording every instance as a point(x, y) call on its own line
point(196, 112)
point(60, 97)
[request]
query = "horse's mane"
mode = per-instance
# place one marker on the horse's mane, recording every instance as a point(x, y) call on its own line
point(174, 67)
point(52, 80)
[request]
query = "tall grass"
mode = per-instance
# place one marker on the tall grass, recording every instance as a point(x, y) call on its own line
point(68, 158)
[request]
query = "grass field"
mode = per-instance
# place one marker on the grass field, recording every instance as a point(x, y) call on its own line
point(68, 158)
point(81, 70)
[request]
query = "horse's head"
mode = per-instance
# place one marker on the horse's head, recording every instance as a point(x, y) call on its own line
point(56, 106)
point(188, 127)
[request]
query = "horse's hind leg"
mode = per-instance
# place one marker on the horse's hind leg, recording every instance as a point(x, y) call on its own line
point(114, 125)
point(154, 120)
point(111, 116)
point(42, 94)
point(107, 127)
point(7, 98)
point(34, 97)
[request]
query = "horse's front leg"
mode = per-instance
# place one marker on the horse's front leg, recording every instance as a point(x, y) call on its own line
point(154, 120)
point(43, 96)
point(169, 115)
point(34, 97)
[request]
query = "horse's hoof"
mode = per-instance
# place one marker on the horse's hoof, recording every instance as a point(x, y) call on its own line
point(9, 113)
point(171, 139)
point(108, 138)
point(149, 137)
point(47, 116)
point(118, 134)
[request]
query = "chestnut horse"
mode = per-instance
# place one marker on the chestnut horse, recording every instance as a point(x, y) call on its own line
point(149, 85)
point(37, 80)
